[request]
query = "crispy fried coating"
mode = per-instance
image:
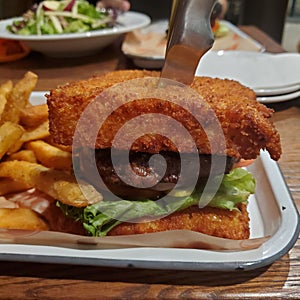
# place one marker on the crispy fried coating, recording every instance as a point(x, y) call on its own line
point(212, 221)
point(245, 123)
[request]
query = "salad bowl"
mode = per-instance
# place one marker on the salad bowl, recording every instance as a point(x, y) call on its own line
point(76, 44)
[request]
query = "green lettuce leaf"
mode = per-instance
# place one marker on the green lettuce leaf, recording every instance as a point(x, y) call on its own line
point(236, 187)
point(76, 26)
point(98, 219)
point(87, 9)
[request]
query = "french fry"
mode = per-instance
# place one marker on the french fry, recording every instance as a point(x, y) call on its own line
point(40, 132)
point(6, 87)
point(30, 159)
point(10, 133)
point(15, 147)
point(26, 155)
point(50, 141)
point(9, 186)
point(18, 97)
point(57, 184)
point(2, 104)
point(50, 156)
point(21, 218)
point(33, 116)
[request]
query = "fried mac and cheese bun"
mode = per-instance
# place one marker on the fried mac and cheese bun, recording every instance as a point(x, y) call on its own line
point(245, 122)
point(208, 220)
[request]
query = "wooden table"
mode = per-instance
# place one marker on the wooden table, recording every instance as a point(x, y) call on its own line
point(20, 280)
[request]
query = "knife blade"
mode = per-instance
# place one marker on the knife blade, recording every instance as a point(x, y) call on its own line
point(189, 38)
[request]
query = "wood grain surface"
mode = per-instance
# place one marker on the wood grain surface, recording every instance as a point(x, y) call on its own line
point(21, 280)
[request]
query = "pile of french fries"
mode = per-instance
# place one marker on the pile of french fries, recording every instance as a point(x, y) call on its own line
point(29, 159)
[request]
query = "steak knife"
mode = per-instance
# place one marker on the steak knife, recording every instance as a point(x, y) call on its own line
point(189, 38)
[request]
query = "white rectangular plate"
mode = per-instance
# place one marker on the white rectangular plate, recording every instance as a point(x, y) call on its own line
point(272, 213)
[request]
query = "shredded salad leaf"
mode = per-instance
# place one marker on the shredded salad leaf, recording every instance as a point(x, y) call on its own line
point(59, 17)
point(235, 188)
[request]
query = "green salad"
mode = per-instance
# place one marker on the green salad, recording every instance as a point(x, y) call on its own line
point(234, 189)
point(66, 16)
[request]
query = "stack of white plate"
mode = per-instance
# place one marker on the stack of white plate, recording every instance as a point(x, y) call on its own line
point(273, 77)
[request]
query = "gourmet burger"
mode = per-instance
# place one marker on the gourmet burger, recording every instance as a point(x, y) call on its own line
point(140, 196)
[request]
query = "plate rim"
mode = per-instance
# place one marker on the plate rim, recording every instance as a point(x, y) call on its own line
point(279, 98)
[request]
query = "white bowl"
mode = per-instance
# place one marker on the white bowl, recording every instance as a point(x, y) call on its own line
point(77, 44)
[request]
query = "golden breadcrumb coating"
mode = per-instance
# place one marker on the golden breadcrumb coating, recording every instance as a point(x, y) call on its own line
point(245, 122)
point(212, 221)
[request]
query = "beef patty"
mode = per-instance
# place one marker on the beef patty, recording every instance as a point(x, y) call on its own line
point(145, 177)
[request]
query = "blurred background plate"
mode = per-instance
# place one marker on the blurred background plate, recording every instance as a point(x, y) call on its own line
point(146, 46)
point(236, 39)
point(253, 69)
point(77, 44)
